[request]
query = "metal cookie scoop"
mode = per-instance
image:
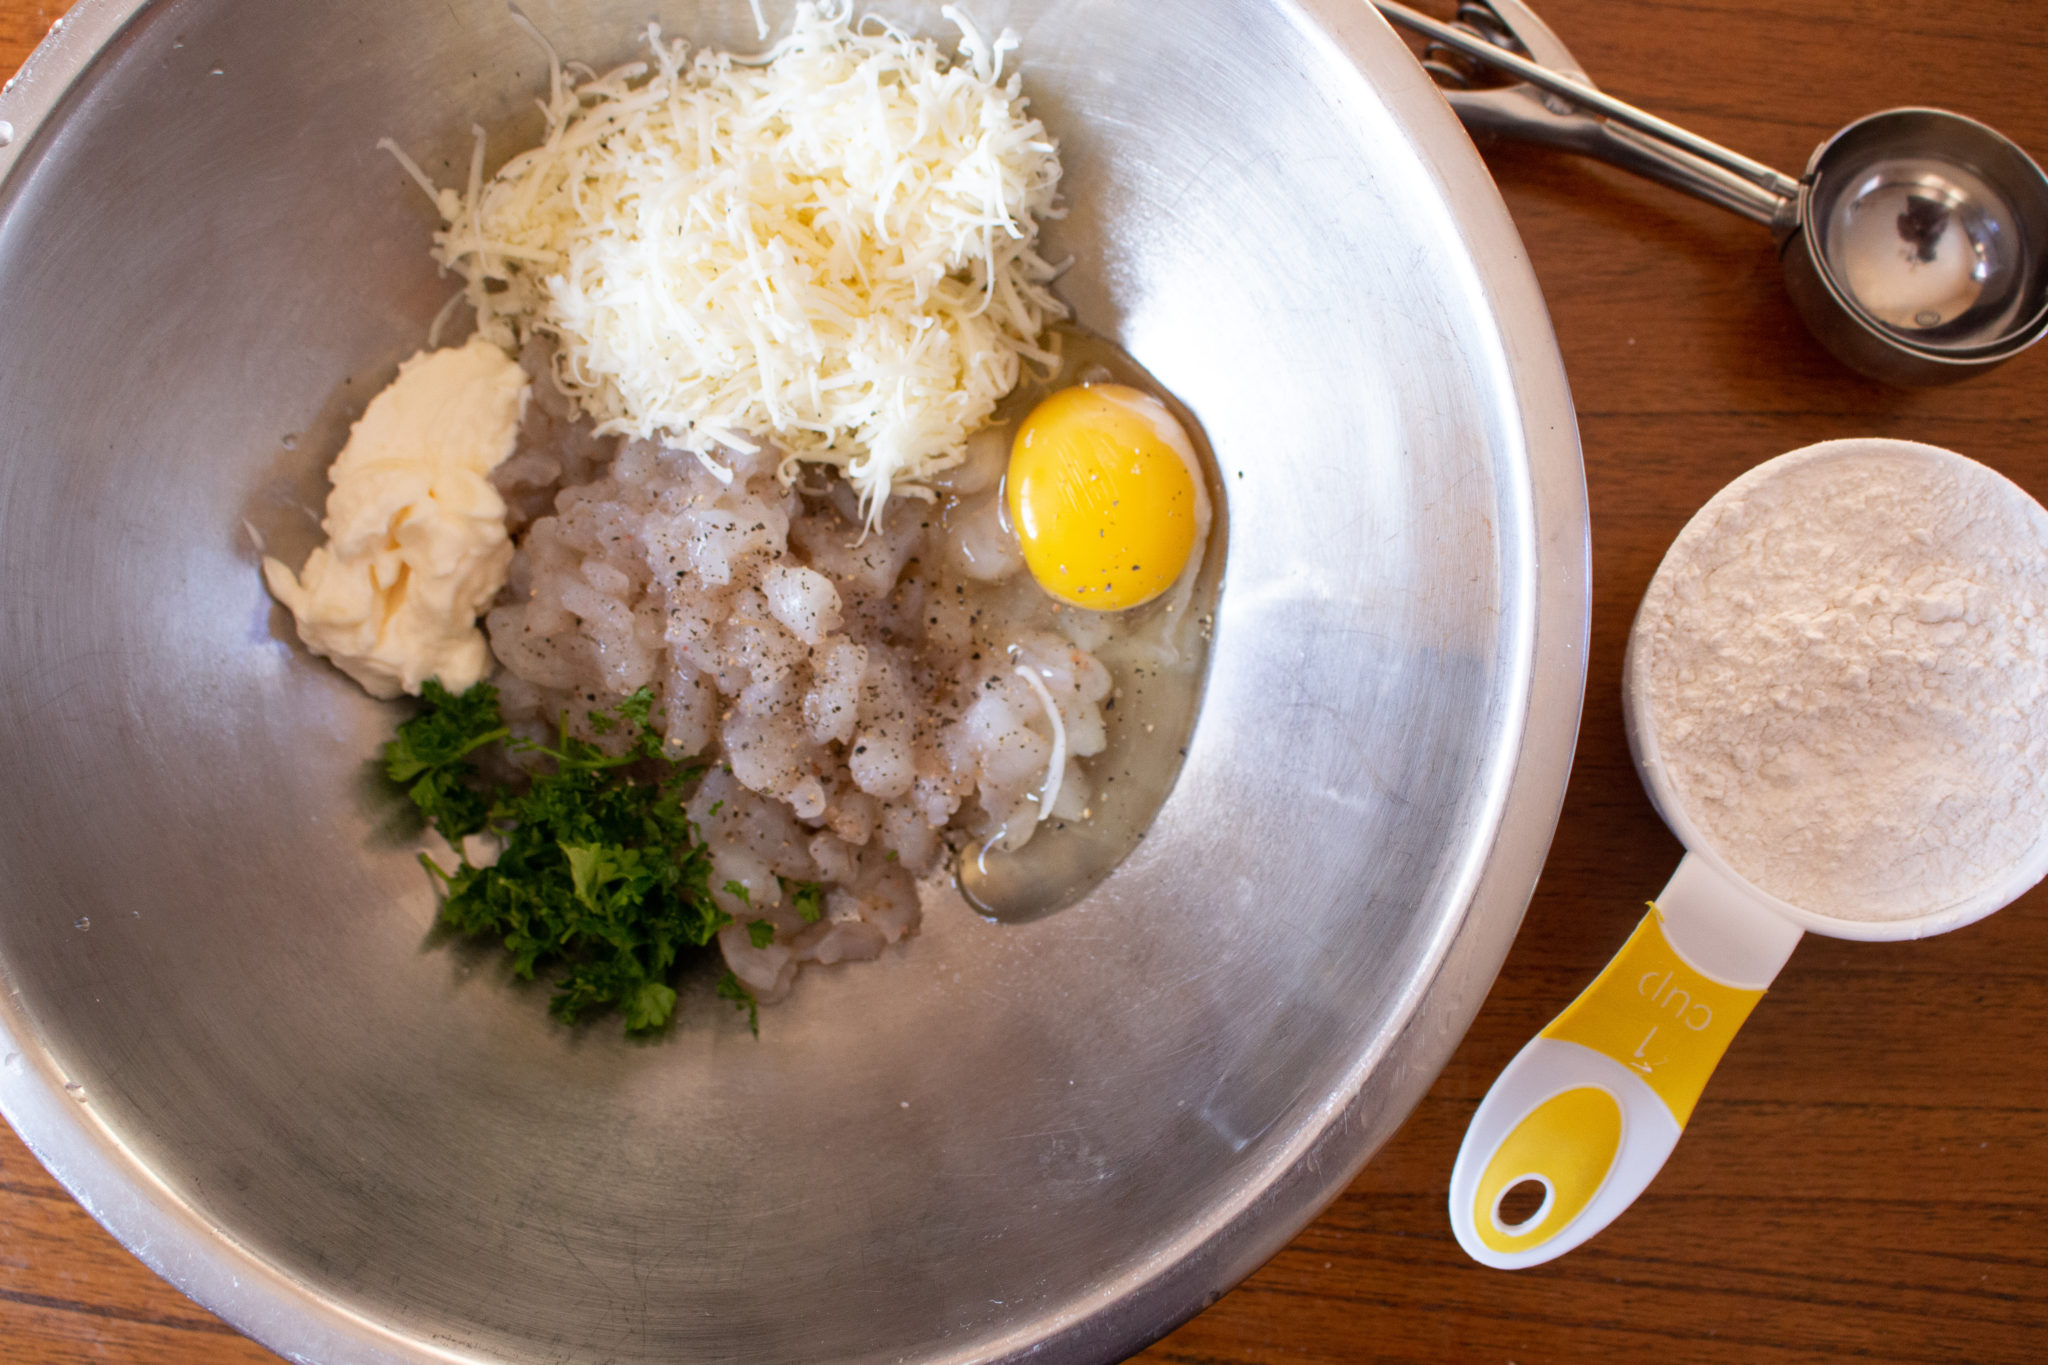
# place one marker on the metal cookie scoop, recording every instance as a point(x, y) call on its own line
point(1915, 245)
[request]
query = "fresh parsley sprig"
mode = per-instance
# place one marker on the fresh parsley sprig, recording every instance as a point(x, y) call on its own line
point(600, 876)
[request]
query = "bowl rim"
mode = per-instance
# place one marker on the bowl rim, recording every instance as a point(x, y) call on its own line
point(203, 1259)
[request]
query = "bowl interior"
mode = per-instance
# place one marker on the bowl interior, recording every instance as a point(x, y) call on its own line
point(361, 1144)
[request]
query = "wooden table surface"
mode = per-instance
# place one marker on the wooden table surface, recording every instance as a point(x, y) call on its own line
point(1868, 1174)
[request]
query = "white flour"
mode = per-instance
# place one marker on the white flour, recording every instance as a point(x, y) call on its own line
point(1845, 661)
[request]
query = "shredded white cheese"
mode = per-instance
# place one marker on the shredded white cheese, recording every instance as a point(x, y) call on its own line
point(831, 247)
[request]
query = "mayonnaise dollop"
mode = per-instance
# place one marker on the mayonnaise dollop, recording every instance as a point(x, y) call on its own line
point(416, 543)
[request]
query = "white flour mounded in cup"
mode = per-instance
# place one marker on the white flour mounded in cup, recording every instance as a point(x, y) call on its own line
point(1846, 658)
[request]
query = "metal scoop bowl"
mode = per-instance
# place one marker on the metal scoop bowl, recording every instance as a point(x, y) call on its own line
point(1915, 245)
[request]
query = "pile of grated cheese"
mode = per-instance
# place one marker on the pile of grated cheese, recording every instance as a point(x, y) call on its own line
point(831, 247)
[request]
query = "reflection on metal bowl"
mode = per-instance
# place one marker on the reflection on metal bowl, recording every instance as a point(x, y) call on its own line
point(1065, 1135)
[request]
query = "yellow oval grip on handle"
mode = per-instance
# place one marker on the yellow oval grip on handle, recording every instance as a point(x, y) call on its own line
point(1567, 1144)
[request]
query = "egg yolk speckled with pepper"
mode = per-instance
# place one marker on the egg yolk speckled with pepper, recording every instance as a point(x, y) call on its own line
point(1106, 496)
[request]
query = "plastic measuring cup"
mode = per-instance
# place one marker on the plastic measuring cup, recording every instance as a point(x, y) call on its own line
point(1593, 1105)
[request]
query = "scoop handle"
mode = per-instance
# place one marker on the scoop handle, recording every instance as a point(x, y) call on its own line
point(1593, 1105)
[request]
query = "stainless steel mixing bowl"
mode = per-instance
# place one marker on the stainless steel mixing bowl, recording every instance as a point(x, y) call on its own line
point(225, 1026)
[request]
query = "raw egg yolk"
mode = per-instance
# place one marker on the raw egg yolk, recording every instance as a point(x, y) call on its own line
point(1105, 496)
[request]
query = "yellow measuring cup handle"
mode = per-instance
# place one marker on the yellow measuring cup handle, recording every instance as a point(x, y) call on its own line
point(1589, 1110)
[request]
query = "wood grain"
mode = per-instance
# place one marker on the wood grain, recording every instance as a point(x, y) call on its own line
point(1867, 1176)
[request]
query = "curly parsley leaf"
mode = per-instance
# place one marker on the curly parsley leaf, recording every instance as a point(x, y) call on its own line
point(429, 758)
point(760, 933)
point(806, 898)
point(601, 877)
point(730, 988)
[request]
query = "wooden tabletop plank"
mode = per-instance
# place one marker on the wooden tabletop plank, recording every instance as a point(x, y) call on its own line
point(1868, 1173)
